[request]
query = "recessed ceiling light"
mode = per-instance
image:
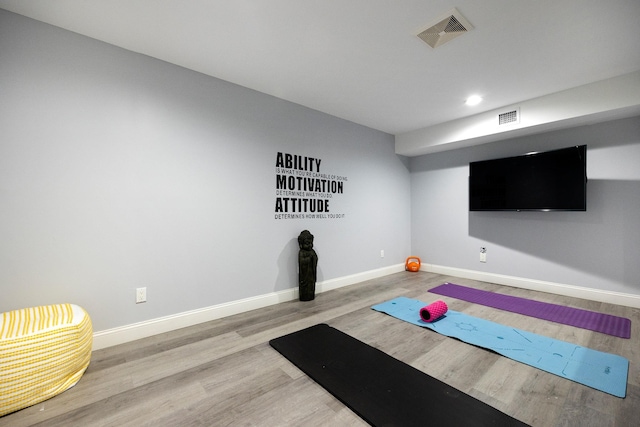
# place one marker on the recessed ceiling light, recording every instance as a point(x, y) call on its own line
point(473, 100)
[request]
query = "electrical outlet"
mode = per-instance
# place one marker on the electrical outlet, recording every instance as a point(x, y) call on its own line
point(483, 254)
point(382, 253)
point(141, 295)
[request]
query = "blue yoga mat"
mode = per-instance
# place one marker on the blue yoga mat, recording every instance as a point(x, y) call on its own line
point(601, 371)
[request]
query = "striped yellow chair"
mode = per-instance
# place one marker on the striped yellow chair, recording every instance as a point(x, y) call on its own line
point(43, 352)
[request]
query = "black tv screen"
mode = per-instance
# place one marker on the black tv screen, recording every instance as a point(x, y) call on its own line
point(547, 181)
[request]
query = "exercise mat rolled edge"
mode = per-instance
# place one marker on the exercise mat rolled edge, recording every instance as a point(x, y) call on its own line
point(433, 311)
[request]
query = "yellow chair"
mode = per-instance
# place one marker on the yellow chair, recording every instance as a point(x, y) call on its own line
point(43, 352)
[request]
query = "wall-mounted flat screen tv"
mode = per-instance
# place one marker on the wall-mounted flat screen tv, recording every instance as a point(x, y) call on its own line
point(542, 181)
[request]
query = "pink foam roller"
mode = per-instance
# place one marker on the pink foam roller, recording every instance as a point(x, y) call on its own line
point(433, 311)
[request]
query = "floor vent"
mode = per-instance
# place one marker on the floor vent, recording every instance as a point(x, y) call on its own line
point(508, 117)
point(446, 29)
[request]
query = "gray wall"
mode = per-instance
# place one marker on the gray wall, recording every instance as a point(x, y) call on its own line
point(599, 248)
point(119, 171)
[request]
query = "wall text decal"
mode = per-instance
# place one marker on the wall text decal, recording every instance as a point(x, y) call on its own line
point(303, 191)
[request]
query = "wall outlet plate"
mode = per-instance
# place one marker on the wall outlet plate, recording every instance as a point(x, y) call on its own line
point(141, 295)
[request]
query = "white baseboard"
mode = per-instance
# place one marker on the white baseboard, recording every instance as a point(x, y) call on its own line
point(132, 332)
point(135, 331)
point(339, 282)
point(611, 297)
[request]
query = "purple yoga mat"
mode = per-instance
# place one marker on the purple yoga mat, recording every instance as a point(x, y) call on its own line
point(585, 319)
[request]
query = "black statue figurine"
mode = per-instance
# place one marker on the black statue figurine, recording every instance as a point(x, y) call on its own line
point(307, 264)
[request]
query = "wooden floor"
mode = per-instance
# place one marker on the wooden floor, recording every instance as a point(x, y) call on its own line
point(225, 373)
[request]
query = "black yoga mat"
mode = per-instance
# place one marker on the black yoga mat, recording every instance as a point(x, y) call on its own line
point(379, 388)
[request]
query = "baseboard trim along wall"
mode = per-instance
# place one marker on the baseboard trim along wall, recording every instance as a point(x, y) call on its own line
point(132, 332)
point(611, 297)
point(127, 333)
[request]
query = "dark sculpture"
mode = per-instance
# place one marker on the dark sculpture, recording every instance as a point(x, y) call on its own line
point(307, 265)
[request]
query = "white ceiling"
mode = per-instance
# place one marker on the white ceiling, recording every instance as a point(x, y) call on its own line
point(361, 59)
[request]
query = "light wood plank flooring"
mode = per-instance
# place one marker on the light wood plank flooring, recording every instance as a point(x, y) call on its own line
point(224, 373)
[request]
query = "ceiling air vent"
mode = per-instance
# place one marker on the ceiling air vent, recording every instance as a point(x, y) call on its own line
point(446, 29)
point(508, 117)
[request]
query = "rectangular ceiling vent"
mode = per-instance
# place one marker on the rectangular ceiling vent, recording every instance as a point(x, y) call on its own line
point(509, 117)
point(447, 28)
